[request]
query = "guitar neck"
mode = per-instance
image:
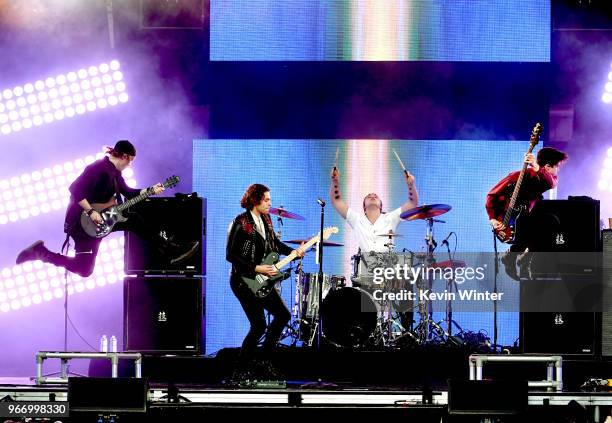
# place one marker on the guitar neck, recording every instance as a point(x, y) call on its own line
point(517, 188)
point(282, 263)
point(129, 203)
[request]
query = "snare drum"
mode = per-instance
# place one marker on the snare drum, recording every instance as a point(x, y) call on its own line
point(349, 317)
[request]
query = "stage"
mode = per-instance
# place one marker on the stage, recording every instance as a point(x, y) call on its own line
point(411, 384)
point(306, 208)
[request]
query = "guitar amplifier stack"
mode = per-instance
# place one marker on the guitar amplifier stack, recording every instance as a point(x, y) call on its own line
point(164, 302)
point(570, 227)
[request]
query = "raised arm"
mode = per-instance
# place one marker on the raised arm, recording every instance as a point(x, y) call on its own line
point(335, 195)
point(413, 194)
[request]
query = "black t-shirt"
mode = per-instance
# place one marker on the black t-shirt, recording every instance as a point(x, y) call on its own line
point(98, 183)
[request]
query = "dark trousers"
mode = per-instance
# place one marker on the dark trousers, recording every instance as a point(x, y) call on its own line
point(86, 248)
point(254, 309)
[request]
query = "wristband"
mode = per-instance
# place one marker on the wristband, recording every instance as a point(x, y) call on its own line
point(90, 211)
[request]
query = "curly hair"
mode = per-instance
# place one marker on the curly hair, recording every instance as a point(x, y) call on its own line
point(253, 196)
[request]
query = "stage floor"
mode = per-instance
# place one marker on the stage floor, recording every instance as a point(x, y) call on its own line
point(410, 384)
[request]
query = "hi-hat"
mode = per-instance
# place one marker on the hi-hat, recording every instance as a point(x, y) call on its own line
point(285, 213)
point(390, 234)
point(325, 243)
point(425, 212)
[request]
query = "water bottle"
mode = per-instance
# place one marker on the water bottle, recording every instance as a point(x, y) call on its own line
point(113, 344)
point(103, 344)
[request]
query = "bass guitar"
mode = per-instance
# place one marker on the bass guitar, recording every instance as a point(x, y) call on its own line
point(513, 210)
point(112, 213)
point(262, 285)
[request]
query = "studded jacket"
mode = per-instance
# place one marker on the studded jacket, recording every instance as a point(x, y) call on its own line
point(246, 248)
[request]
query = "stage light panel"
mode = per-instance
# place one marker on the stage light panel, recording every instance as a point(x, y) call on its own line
point(36, 282)
point(42, 191)
point(55, 96)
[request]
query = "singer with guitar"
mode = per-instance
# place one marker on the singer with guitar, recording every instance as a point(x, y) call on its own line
point(508, 206)
point(98, 186)
point(251, 238)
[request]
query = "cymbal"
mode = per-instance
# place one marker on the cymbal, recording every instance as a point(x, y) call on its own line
point(390, 234)
point(285, 213)
point(425, 212)
point(325, 243)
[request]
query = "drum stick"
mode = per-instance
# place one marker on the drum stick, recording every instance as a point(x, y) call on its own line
point(337, 155)
point(400, 161)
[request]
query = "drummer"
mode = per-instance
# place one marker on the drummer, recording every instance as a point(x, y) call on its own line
point(367, 226)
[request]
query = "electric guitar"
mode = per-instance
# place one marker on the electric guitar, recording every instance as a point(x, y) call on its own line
point(261, 285)
point(513, 211)
point(112, 213)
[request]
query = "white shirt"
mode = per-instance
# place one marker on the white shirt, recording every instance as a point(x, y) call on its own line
point(367, 232)
point(259, 225)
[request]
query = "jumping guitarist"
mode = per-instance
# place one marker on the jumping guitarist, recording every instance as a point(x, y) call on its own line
point(99, 183)
point(538, 176)
point(251, 237)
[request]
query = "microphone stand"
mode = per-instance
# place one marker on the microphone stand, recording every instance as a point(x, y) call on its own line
point(320, 293)
point(451, 286)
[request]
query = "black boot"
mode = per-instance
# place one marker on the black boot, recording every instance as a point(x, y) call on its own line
point(36, 251)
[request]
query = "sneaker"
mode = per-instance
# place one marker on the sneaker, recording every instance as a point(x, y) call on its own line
point(36, 251)
point(191, 249)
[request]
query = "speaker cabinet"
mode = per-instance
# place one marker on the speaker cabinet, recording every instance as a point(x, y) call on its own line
point(570, 231)
point(163, 315)
point(565, 225)
point(559, 333)
point(606, 317)
point(487, 397)
point(107, 394)
point(180, 220)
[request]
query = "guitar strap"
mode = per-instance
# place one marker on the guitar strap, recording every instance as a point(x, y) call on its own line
point(117, 193)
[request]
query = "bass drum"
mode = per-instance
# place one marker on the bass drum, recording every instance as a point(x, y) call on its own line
point(349, 317)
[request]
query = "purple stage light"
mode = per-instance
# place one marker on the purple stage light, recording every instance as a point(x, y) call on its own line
point(605, 176)
point(42, 191)
point(55, 95)
point(34, 282)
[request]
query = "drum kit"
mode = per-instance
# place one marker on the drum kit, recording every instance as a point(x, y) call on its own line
point(349, 314)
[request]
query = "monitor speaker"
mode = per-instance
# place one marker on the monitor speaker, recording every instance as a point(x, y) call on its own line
point(107, 394)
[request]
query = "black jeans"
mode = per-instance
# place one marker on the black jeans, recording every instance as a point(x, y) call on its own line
point(254, 309)
point(86, 248)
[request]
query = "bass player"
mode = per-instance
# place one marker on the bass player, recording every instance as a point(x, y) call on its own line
point(539, 177)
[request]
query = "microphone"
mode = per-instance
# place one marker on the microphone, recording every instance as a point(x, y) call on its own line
point(321, 202)
point(445, 242)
